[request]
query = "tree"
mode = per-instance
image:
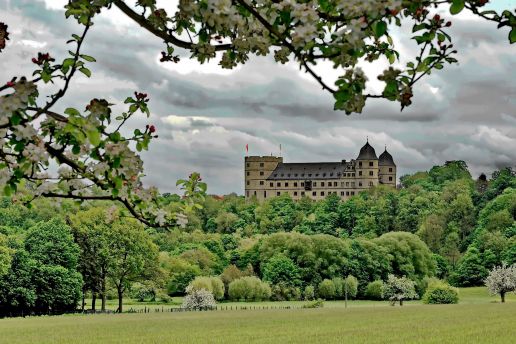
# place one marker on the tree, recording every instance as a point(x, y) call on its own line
point(350, 287)
point(399, 289)
point(408, 255)
point(281, 269)
point(198, 299)
point(90, 147)
point(470, 269)
point(91, 232)
point(134, 257)
point(501, 280)
point(212, 284)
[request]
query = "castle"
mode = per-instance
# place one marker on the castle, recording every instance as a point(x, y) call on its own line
point(269, 176)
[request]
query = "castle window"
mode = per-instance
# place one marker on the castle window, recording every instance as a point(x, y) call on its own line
point(282, 175)
point(302, 193)
point(278, 184)
point(314, 193)
point(331, 174)
point(324, 174)
point(390, 179)
point(295, 175)
point(255, 193)
point(342, 193)
point(275, 174)
point(261, 182)
point(347, 193)
point(352, 193)
point(295, 193)
point(271, 185)
point(371, 163)
point(261, 173)
point(360, 164)
point(314, 184)
point(309, 174)
point(371, 173)
point(278, 193)
point(265, 194)
point(370, 183)
point(247, 165)
point(288, 175)
point(302, 175)
point(295, 184)
point(347, 183)
point(317, 174)
point(390, 169)
point(248, 183)
point(286, 184)
point(322, 193)
point(261, 164)
point(359, 173)
point(352, 174)
point(322, 183)
point(248, 173)
point(335, 184)
point(359, 183)
point(302, 183)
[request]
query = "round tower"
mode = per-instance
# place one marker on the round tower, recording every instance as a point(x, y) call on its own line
point(387, 173)
point(366, 167)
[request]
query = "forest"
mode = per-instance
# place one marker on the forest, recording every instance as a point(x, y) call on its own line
point(440, 224)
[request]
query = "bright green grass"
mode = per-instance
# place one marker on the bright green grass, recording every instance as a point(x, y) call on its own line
point(476, 320)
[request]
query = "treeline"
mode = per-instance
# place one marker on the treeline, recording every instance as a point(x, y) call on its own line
point(440, 223)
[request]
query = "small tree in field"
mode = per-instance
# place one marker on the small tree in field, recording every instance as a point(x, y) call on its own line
point(399, 289)
point(501, 280)
point(198, 298)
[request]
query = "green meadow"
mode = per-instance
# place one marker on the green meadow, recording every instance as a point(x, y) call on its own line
point(478, 318)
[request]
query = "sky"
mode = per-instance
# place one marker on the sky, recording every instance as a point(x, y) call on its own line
point(205, 116)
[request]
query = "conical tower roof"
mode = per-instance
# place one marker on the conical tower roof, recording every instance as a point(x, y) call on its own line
point(367, 152)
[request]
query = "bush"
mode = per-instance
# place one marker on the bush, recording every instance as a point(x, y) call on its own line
point(315, 304)
point(374, 290)
point(309, 293)
point(212, 284)
point(440, 293)
point(284, 292)
point(249, 288)
point(327, 289)
point(198, 299)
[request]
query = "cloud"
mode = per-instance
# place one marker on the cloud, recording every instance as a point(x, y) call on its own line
point(205, 116)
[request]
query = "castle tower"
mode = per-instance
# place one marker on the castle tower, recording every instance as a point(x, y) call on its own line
point(366, 167)
point(257, 170)
point(387, 169)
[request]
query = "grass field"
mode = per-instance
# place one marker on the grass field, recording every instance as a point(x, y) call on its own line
point(478, 319)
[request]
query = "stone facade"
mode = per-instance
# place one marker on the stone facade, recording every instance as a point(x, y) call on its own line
point(269, 176)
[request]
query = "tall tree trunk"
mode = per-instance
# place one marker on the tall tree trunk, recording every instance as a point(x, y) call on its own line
point(502, 295)
point(401, 302)
point(83, 298)
point(120, 298)
point(103, 291)
point(93, 300)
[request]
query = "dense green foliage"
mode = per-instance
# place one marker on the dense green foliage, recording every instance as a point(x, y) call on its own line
point(440, 293)
point(440, 224)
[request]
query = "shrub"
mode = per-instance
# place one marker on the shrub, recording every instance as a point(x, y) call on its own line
point(249, 288)
point(440, 293)
point(309, 293)
point(374, 290)
point(327, 289)
point(212, 284)
point(315, 304)
point(198, 299)
point(283, 292)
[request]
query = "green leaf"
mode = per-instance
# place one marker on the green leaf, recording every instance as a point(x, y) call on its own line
point(512, 36)
point(457, 6)
point(85, 71)
point(72, 112)
point(68, 62)
point(7, 190)
point(94, 137)
point(380, 28)
point(88, 58)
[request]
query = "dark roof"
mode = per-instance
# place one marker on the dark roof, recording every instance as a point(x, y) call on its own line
point(367, 153)
point(311, 170)
point(386, 159)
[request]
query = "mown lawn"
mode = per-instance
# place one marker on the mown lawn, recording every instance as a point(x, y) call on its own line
point(477, 320)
